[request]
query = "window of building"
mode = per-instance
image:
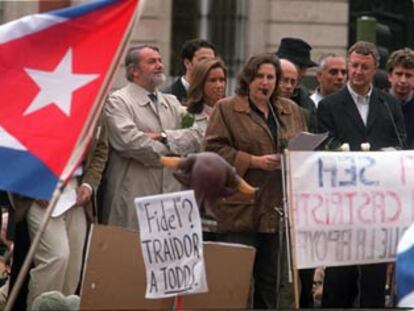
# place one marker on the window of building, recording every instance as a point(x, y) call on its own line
point(220, 21)
point(185, 26)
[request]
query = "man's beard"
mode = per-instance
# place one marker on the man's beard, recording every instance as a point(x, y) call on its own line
point(158, 79)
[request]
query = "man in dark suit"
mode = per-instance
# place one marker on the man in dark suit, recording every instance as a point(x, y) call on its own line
point(297, 51)
point(192, 52)
point(359, 114)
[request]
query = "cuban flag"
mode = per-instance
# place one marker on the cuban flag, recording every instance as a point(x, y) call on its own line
point(55, 70)
point(404, 269)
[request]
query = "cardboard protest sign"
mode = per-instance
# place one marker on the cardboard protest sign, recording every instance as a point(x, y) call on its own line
point(349, 208)
point(171, 243)
point(229, 272)
point(114, 274)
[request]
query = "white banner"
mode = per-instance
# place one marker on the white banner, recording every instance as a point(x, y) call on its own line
point(349, 207)
point(172, 244)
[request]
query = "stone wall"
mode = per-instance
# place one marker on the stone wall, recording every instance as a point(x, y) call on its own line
point(153, 28)
point(322, 23)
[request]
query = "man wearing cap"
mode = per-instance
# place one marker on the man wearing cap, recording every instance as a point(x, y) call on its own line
point(289, 79)
point(297, 51)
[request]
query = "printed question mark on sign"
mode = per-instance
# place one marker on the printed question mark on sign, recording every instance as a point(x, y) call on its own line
point(190, 204)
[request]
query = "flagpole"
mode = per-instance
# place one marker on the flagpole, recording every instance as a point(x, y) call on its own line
point(74, 160)
point(286, 213)
point(33, 247)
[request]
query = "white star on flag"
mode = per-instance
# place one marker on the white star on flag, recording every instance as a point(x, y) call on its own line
point(57, 86)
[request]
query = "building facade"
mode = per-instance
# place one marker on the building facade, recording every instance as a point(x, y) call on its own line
point(239, 28)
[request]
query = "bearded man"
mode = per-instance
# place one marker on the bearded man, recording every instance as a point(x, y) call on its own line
point(143, 123)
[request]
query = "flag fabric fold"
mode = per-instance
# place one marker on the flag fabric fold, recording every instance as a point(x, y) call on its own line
point(404, 272)
point(54, 68)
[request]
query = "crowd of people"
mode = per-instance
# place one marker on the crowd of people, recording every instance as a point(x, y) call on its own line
point(249, 129)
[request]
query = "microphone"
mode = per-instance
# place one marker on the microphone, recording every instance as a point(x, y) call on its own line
point(394, 125)
point(282, 141)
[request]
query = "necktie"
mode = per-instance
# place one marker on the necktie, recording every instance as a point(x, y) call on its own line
point(153, 98)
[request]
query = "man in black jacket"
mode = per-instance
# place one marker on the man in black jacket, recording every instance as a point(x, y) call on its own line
point(357, 114)
point(192, 52)
point(400, 68)
point(297, 51)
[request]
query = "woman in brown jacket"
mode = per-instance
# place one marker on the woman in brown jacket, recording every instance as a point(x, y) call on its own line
point(250, 130)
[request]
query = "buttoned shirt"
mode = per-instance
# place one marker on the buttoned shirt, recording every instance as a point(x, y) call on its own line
point(361, 102)
point(316, 97)
point(185, 83)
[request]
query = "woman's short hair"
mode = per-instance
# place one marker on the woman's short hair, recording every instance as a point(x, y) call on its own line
point(199, 74)
point(249, 73)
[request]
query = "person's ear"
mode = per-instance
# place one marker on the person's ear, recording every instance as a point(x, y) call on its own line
point(318, 75)
point(135, 72)
point(187, 63)
point(389, 76)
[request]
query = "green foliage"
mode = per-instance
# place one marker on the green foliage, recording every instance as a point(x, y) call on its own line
point(187, 121)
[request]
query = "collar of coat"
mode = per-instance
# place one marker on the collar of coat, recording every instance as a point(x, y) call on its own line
point(281, 105)
point(141, 95)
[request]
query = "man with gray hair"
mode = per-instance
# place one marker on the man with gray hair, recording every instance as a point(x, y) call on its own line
point(331, 75)
point(358, 114)
point(143, 124)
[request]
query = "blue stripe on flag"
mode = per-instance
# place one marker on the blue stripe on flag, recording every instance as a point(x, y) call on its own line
point(82, 9)
point(11, 168)
point(404, 269)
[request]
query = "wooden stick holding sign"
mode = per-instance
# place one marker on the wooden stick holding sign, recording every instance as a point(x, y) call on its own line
point(292, 230)
point(171, 242)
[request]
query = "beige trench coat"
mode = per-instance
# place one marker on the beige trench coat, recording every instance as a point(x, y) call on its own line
point(133, 168)
point(236, 133)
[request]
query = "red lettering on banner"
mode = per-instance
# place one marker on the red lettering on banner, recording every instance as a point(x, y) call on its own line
point(334, 210)
point(319, 205)
point(365, 205)
point(397, 207)
point(350, 196)
point(349, 208)
point(378, 206)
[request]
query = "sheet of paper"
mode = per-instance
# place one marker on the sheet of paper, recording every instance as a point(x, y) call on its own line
point(305, 141)
point(65, 202)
